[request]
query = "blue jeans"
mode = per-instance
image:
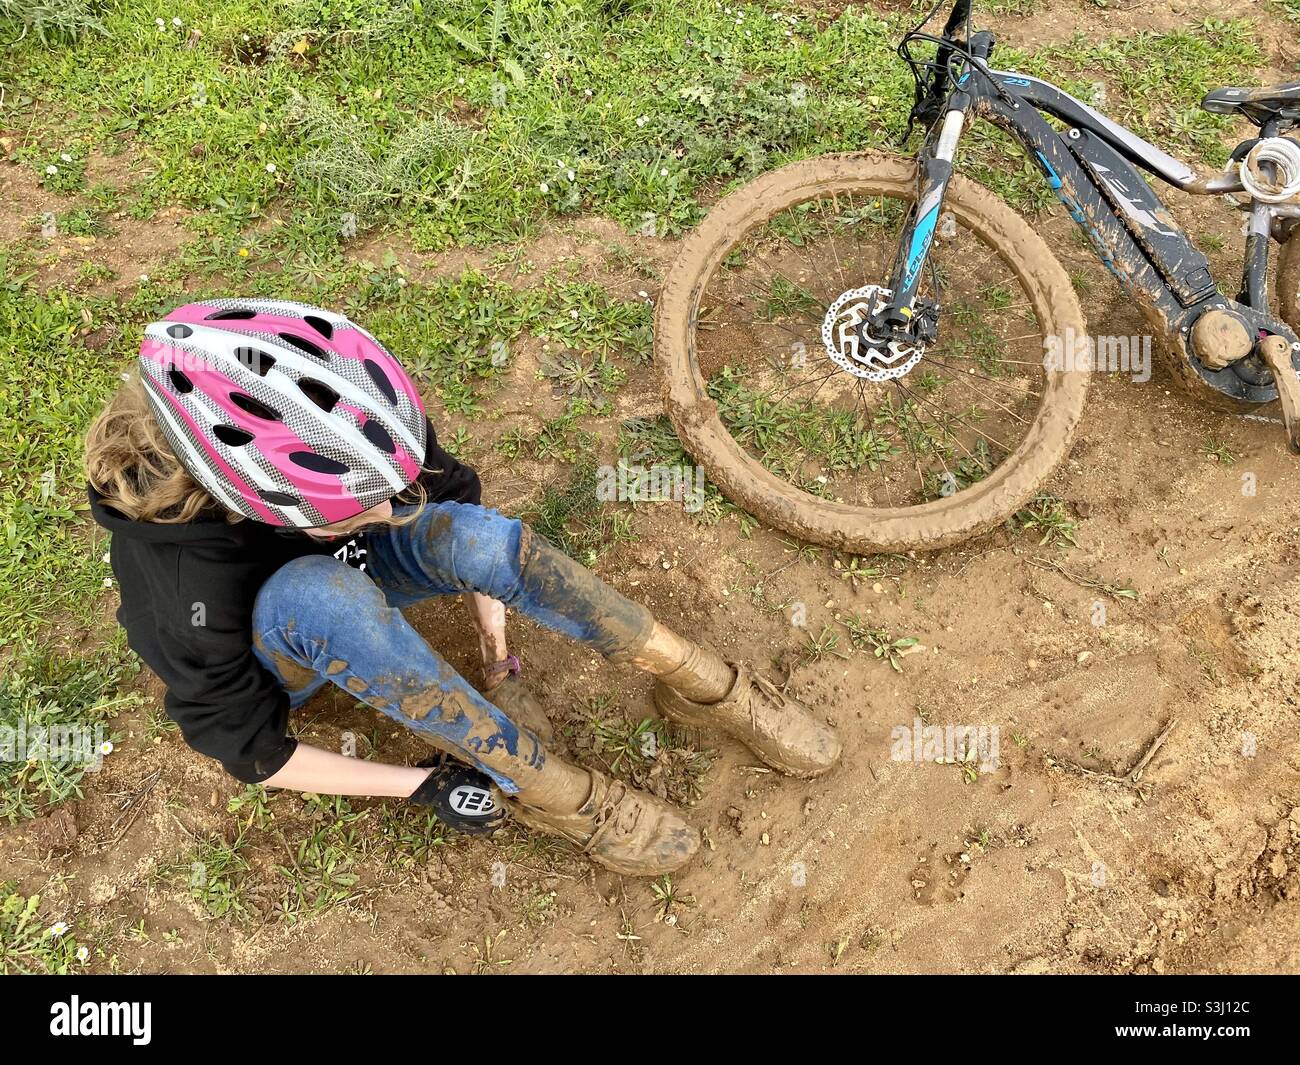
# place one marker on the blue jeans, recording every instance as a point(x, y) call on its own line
point(318, 620)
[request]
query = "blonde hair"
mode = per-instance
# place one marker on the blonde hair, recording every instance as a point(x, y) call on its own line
point(129, 462)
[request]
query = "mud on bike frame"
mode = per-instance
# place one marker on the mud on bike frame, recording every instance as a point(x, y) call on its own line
point(1092, 168)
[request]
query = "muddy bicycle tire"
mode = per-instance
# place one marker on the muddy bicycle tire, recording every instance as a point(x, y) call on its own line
point(927, 526)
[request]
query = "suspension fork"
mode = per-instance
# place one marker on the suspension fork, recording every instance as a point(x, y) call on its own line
point(934, 172)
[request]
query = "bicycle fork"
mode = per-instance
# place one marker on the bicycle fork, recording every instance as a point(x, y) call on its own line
point(934, 171)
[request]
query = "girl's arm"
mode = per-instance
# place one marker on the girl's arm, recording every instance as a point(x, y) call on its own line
point(489, 617)
point(327, 773)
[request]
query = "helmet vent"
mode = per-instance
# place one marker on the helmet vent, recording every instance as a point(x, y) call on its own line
point(309, 460)
point(255, 359)
point(231, 315)
point(254, 407)
point(279, 499)
point(378, 435)
point(179, 332)
point(231, 435)
point(320, 325)
point(179, 381)
point(305, 345)
point(381, 380)
point(320, 394)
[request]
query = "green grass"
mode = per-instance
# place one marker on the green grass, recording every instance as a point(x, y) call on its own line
point(30, 942)
point(45, 689)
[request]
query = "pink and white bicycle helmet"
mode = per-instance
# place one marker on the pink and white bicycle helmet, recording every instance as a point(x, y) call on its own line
point(283, 412)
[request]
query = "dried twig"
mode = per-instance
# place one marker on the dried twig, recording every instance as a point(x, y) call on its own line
point(1133, 776)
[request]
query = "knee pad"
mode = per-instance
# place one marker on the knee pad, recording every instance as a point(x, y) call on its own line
point(461, 796)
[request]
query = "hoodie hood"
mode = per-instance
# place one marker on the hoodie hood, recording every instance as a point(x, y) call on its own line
point(201, 532)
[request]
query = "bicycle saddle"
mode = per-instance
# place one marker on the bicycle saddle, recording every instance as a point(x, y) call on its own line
point(1258, 105)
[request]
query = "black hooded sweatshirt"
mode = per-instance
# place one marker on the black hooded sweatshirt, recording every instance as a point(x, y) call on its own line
point(187, 607)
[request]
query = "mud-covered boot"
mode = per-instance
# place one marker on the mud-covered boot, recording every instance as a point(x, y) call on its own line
point(623, 829)
point(514, 700)
point(776, 727)
point(503, 688)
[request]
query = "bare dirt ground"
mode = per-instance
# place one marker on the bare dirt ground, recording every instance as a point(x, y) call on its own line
point(1051, 863)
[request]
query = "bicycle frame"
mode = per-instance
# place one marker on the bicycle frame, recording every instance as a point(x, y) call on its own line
point(1093, 167)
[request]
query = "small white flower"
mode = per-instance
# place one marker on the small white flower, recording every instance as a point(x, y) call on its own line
point(108, 582)
point(570, 174)
point(177, 23)
point(245, 38)
point(663, 171)
point(106, 748)
point(587, 92)
point(57, 929)
point(460, 81)
point(546, 55)
point(144, 277)
point(83, 954)
point(642, 120)
point(105, 557)
point(573, 315)
point(51, 169)
point(644, 294)
point(65, 157)
point(401, 282)
point(160, 23)
point(544, 187)
point(270, 168)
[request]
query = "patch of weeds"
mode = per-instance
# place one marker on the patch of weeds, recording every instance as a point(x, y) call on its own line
point(66, 701)
point(349, 166)
point(668, 898)
point(50, 388)
point(410, 835)
point(253, 806)
point(1045, 516)
point(651, 753)
point(572, 517)
point(27, 944)
point(320, 873)
point(52, 21)
point(879, 641)
point(217, 875)
point(1218, 451)
point(574, 377)
point(825, 644)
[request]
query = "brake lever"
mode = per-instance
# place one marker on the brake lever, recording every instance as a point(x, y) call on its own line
point(1276, 353)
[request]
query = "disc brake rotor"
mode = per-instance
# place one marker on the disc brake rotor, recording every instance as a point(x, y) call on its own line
point(843, 342)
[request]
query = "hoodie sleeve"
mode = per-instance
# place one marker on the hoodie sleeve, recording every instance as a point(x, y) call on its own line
point(228, 706)
point(447, 479)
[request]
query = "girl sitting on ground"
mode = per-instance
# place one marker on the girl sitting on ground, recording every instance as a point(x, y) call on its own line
point(277, 495)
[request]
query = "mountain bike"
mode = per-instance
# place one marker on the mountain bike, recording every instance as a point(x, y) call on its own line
point(877, 354)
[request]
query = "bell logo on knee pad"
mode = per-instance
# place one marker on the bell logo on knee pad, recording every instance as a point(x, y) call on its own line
point(461, 796)
point(473, 801)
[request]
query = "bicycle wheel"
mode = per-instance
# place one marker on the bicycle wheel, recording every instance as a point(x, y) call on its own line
point(949, 441)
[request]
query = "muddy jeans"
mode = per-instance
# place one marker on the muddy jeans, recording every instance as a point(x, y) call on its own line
point(317, 620)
